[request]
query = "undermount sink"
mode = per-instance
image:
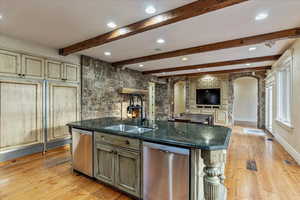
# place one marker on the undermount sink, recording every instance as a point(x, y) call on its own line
point(128, 128)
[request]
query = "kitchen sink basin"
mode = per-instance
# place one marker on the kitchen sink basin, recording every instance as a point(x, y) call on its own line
point(128, 128)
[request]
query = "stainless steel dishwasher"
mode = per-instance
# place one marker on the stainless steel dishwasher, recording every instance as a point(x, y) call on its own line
point(165, 172)
point(82, 151)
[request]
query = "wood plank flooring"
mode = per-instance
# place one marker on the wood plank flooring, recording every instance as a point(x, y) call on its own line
point(50, 177)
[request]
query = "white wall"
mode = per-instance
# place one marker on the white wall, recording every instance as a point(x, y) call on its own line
point(245, 99)
point(289, 137)
point(21, 46)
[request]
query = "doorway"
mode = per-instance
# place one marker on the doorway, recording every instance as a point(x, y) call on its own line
point(179, 97)
point(245, 108)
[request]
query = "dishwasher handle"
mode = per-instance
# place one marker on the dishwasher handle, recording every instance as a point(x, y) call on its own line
point(81, 132)
point(166, 148)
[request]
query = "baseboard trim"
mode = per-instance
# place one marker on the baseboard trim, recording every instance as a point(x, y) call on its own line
point(246, 123)
point(59, 143)
point(17, 153)
point(288, 148)
point(25, 151)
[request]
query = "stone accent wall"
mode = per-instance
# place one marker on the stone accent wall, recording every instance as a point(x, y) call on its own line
point(161, 102)
point(260, 76)
point(225, 82)
point(100, 90)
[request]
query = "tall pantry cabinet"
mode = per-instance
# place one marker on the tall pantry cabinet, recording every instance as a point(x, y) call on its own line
point(38, 96)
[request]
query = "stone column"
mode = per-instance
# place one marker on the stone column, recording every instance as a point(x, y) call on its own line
point(213, 180)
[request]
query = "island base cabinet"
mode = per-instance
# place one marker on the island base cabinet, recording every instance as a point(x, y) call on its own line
point(128, 171)
point(104, 163)
point(118, 167)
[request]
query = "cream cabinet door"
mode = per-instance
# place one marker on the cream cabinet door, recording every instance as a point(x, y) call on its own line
point(10, 64)
point(20, 114)
point(63, 107)
point(104, 163)
point(221, 117)
point(33, 67)
point(54, 70)
point(71, 72)
point(127, 171)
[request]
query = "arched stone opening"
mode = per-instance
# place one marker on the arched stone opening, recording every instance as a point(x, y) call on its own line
point(260, 76)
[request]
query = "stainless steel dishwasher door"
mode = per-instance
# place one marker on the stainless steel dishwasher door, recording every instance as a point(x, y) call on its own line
point(82, 151)
point(165, 172)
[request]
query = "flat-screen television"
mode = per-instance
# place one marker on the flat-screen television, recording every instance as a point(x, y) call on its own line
point(208, 96)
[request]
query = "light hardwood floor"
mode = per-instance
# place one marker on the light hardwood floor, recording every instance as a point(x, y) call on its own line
point(50, 177)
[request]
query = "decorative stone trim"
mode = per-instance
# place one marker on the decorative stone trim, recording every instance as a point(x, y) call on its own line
point(260, 76)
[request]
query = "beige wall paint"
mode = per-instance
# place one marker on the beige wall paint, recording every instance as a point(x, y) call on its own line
point(289, 137)
point(179, 97)
point(245, 99)
point(21, 46)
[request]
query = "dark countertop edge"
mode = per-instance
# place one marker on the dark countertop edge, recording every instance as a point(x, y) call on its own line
point(174, 143)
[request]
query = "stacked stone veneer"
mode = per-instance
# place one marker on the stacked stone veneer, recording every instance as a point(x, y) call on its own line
point(100, 87)
point(225, 82)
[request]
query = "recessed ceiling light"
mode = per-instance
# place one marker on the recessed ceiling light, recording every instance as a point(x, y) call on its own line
point(248, 64)
point(107, 53)
point(150, 10)
point(1, 17)
point(141, 65)
point(159, 19)
point(111, 25)
point(252, 48)
point(160, 41)
point(122, 31)
point(184, 59)
point(261, 16)
point(199, 69)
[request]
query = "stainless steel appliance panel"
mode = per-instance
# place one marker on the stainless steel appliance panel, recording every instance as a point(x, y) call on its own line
point(82, 151)
point(165, 172)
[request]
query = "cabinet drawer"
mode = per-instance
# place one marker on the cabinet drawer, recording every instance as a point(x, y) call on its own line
point(118, 141)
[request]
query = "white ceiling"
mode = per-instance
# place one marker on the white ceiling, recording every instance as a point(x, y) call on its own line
point(212, 69)
point(58, 23)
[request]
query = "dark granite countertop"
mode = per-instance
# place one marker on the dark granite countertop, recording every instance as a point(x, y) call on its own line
point(171, 133)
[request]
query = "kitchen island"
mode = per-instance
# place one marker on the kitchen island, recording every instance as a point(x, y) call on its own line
point(124, 138)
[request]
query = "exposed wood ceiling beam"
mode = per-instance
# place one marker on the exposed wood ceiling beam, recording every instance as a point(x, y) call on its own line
point(250, 69)
point(178, 14)
point(216, 64)
point(257, 39)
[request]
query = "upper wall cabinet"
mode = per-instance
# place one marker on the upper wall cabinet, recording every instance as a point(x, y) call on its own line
point(33, 67)
point(10, 64)
point(62, 71)
point(71, 72)
point(54, 70)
